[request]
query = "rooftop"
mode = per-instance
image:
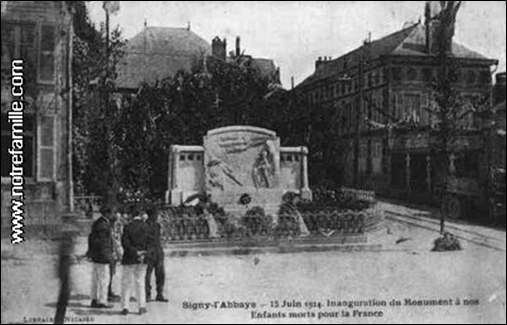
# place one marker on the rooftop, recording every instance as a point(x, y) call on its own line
point(409, 42)
point(159, 52)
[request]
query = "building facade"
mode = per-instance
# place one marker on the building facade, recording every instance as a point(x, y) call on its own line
point(390, 82)
point(39, 33)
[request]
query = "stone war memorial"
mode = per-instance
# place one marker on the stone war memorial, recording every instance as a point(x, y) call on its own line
point(235, 161)
point(241, 184)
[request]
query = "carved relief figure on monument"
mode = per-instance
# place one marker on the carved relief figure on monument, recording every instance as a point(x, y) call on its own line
point(264, 169)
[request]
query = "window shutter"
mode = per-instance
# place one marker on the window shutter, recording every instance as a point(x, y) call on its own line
point(47, 54)
point(425, 114)
point(46, 146)
point(399, 107)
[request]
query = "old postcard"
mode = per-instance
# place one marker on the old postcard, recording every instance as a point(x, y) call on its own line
point(248, 162)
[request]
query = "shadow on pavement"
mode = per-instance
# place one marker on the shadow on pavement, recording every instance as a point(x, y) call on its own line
point(96, 312)
point(70, 305)
point(80, 297)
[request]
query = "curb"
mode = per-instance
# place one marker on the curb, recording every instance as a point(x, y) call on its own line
point(282, 249)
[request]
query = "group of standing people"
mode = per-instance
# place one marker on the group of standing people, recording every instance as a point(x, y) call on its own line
point(138, 246)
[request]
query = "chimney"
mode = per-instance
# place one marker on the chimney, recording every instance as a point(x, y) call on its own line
point(500, 88)
point(320, 62)
point(219, 48)
point(238, 46)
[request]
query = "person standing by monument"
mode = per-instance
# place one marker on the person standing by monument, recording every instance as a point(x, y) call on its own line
point(100, 251)
point(135, 240)
point(155, 257)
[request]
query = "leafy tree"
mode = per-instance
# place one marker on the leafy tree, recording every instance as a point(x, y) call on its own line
point(450, 109)
point(94, 71)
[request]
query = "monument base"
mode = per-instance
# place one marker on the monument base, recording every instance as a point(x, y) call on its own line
point(175, 197)
point(264, 198)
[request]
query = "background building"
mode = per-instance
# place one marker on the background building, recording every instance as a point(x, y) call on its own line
point(40, 33)
point(160, 52)
point(157, 53)
point(388, 82)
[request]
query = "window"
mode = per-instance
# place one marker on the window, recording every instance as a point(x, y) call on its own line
point(347, 118)
point(8, 46)
point(427, 74)
point(471, 77)
point(413, 105)
point(469, 119)
point(46, 149)
point(467, 164)
point(348, 112)
point(398, 169)
point(399, 107)
point(28, 146)
point(18, 41)
point(47, 54)
point(485, 77)
point(397, 74)
point(411, 74)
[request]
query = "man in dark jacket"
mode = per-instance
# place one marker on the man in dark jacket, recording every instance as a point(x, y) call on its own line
point(135, 244)
point(155, 257)
point(100, 250)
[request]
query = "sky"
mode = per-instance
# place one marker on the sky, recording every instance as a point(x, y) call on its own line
point(296, 33)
